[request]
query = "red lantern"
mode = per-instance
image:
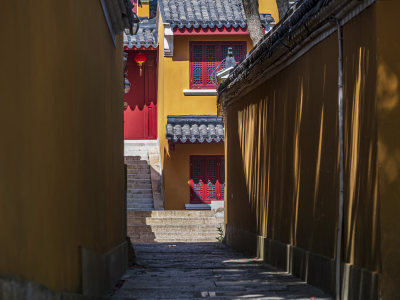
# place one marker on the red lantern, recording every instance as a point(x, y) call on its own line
point(140, 59)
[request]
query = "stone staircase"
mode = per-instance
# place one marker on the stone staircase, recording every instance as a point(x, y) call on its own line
point(143, 175)
point(173, 226)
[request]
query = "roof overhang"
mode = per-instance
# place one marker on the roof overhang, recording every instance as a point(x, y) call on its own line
point(306, 26)
point(210, 31)
point(194, 129)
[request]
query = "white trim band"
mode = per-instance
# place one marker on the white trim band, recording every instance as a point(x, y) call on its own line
point(200, 92)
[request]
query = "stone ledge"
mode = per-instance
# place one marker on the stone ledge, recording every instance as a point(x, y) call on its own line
point(101, 271)
point(313, 268)
point(200, 92)
point(16, 288)
point(198, 206)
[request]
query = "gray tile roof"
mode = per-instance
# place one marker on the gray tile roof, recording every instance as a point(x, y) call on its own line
point(207, 14)
point(146, 37)
point(193, 128)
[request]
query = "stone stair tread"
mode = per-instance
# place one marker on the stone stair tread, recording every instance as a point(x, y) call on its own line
point(138, 193)
point(139, 241)
point(172, 221)
point(140, 157)
point(140, 200)
point(174, 237)
point(141, 227)
point(173, 226)
point(177, 213)
point(139, 180)
point(134, 200)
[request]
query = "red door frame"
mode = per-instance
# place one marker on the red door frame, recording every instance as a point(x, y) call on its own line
point(219, 178)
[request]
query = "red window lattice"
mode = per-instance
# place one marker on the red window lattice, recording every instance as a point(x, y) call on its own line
point(206, 56)
point(207, 178)
point(197, 64)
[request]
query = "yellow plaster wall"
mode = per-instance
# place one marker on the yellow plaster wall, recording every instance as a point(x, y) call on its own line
point(144, 9)
point(269, 7)
point(160, 85)
point(388, 106)
point(177, 169)
point(173, 79)
point(61, 128)
point(282, 151)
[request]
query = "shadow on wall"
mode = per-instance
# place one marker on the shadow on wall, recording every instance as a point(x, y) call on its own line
point(283, 157)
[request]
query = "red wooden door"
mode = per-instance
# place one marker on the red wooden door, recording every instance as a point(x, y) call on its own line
point(140, 116)
point(207, 178)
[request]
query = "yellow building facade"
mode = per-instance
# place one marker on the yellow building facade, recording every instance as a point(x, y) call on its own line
point(177, 97)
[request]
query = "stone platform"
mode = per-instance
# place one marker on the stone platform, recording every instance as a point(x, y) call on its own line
point(203, 270)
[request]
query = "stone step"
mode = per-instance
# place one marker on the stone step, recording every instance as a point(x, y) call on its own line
point(174, 213)
point(137, 209)
point(172, 221)
point(176, 240)
point(141, 203)
point(173, 228)
point(140, 164)
point(141, 200)
point(135, 191)
point(139, 185)
point(131, 151)
point(140, 207)
point(139, 180)
point(141, 175)
point(183, 235)
point(139, 149)
point(138, 177)
point(149, 205)
point(139, 196)
point(140, 172)
point(134, 160)
point(136, 198)
point(136, 156)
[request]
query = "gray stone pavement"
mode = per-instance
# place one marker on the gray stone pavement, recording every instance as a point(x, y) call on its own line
point(203, 270)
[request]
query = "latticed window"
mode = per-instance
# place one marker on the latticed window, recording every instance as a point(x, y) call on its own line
point(205, 58)
point(207, 178)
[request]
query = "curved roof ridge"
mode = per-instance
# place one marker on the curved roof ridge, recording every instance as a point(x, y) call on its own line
point(206, 14)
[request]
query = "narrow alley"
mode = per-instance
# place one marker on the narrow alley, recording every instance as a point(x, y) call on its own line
point(202, 270)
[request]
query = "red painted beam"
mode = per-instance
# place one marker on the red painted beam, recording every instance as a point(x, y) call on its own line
point(210, 31)
point(141, 48)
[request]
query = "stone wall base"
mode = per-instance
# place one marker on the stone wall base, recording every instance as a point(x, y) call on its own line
point(15, 288)
point(100, 272)
point(315, 269)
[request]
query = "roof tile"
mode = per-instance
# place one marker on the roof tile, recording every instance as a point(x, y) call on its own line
point(146, 37)
point(207, 13)
point(194, 128)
